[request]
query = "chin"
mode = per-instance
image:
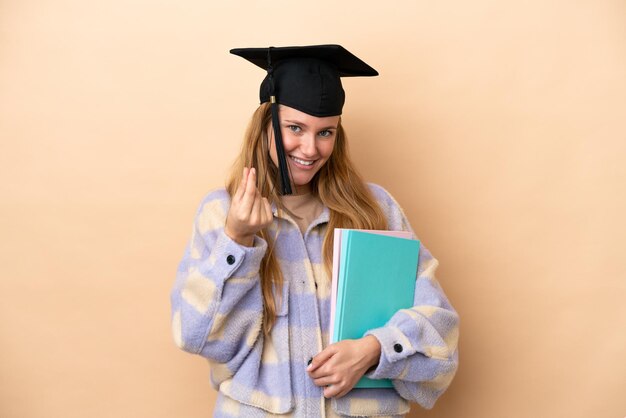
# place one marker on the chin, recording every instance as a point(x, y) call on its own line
point(302, 181)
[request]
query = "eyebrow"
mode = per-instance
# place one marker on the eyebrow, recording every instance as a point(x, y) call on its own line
point(306, 126)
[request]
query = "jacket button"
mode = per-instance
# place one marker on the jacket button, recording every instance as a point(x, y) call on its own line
point(230, 259)
point(397, 348)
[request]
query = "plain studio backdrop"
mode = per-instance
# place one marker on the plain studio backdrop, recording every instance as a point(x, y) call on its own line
point(497, 125)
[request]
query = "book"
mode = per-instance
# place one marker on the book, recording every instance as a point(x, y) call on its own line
point(336, 257)
point(374, 276)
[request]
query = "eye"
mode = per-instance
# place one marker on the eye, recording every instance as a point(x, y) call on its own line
point(295, 128)
point(326, 133)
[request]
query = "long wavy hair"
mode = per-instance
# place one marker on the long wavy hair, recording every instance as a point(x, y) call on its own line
point(337, 184)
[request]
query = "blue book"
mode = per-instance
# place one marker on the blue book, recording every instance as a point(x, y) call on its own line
point(376, 278)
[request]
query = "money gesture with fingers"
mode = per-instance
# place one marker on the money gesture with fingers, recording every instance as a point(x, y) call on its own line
point(249, 212)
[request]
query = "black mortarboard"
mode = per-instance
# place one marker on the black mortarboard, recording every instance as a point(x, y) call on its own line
point(306, 78)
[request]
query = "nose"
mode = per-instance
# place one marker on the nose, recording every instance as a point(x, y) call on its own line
point(307, 145)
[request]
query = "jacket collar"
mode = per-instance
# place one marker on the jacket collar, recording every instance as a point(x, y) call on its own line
point(322, 218)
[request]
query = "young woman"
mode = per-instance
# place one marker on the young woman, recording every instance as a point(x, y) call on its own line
point(252, 294)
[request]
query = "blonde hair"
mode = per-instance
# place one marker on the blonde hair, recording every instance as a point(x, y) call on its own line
point(338, 185)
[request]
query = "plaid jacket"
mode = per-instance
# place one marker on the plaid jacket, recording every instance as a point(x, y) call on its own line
point(217, 308)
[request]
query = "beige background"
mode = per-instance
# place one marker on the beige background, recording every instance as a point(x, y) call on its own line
point(499, 126)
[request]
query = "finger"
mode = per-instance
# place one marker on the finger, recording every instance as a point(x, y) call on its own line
point(321, 357)
point(332, 390)
point(324, 381)
point(324, 370)
point(251, 183)
point(262, 210)
point(343, 393)
point(248, 197)
point(256, 208)
point(242, 184)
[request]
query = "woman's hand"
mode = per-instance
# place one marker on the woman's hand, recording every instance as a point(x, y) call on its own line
point(339, 366)
point(249, 212)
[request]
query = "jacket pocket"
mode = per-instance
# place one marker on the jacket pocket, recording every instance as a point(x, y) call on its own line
point(264, 378)
point(370, 403)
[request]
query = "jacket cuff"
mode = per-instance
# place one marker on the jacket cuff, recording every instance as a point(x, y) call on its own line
point(395, 349)
point(231, 258)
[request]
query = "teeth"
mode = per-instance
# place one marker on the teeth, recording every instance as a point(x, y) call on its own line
point(303, 162)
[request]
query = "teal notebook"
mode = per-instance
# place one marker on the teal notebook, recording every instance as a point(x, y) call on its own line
point(376, 278)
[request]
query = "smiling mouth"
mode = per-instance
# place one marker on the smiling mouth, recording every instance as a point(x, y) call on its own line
point(303, 162)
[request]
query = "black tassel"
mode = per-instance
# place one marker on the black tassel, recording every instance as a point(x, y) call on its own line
point(278, 137)
point(280, 152)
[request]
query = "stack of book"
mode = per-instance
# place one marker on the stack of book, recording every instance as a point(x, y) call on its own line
point(373, 277)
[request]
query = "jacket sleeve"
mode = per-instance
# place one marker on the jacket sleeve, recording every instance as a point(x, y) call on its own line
point(216, 301)
point(419, 345)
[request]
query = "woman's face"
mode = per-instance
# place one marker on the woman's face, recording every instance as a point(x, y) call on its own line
point(308, 142)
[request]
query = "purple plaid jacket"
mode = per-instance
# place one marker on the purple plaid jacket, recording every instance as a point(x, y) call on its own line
point(217, 308)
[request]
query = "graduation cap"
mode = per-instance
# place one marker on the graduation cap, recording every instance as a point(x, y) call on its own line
point(306, 78)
